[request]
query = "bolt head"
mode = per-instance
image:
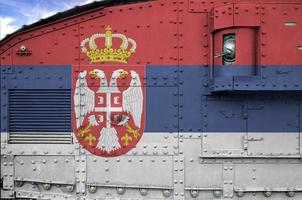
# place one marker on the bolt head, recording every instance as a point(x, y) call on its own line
point(167, 193)
point(143, 191)
point(217, 193)
point(19, 183)
point(240, 194)
point(267, 193)
point(194, 193)
point(69, 188)
point(92, 189)
point(290, 193)
point(23, 48)
point(120, 190)
point(46, 186)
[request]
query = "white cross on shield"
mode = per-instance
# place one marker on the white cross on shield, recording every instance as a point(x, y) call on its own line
point(106, 104)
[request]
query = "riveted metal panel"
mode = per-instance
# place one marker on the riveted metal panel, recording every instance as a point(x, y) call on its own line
point(273, 144)
point(7, 173)
point(247, 14)
point(223, 16)
point(197, 52)
point(164, 103)
point(155, 143)
point(223, 116)
point(268, 78)
point(44, 190)
point(261, 177)
point(6, 57)
point(223, 144)
point(23, 85)
point(191, 90)
point(162, 76)
point(6, 69)
point(37, 77)
point(40, 149)
point(224, 127)
point(150, 172)
point(281, 77)
point(274, 31)
point(199, 175)
point(204, 176)
point(60, 46)
point(270, 131)
point(172, 113)
point(152, 143)
point(145, 30)
point(7, 194)
point(48, 169)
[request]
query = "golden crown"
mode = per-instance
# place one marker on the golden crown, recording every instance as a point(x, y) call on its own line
point(108, 53)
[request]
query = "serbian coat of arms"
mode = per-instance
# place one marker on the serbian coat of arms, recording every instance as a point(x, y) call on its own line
point(109, 99)
point(109, 115)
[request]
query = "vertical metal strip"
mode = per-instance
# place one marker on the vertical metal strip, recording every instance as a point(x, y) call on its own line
point(179, 176)
point(80, 175)
point(7, 168)
point(228, 180)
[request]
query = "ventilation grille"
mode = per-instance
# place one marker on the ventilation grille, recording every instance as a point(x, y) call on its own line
point(40, 116)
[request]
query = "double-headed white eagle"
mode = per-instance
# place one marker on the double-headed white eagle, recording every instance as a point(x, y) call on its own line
point(84, 102)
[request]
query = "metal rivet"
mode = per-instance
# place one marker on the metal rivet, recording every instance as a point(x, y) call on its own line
point(92, 189)
point(290, 193)
point(217, 193)
point(19, 183)
point(167, 193)
point(267, 193)
point(120, 190)
point(46, 186)
point(239, 193)
point(69, 188)
point(194, 193)
point(143, 191)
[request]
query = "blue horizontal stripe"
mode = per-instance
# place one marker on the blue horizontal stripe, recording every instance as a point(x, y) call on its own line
point(186, 98)
point(225, 99)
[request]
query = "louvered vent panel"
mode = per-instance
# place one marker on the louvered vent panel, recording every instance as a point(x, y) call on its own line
point(40, 116)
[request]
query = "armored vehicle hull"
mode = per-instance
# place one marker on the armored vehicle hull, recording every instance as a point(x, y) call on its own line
point(163, 99)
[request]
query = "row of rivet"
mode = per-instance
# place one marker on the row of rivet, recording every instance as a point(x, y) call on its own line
point(34, 152)
point(241, 193)
point(121, 190)
point(178, 165)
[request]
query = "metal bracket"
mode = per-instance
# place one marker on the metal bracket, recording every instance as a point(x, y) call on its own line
point(80, 175)
point(179, 176)
point(7, 171)
point(228, 180)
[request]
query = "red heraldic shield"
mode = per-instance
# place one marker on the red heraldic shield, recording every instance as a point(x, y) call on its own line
point(109, 108)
